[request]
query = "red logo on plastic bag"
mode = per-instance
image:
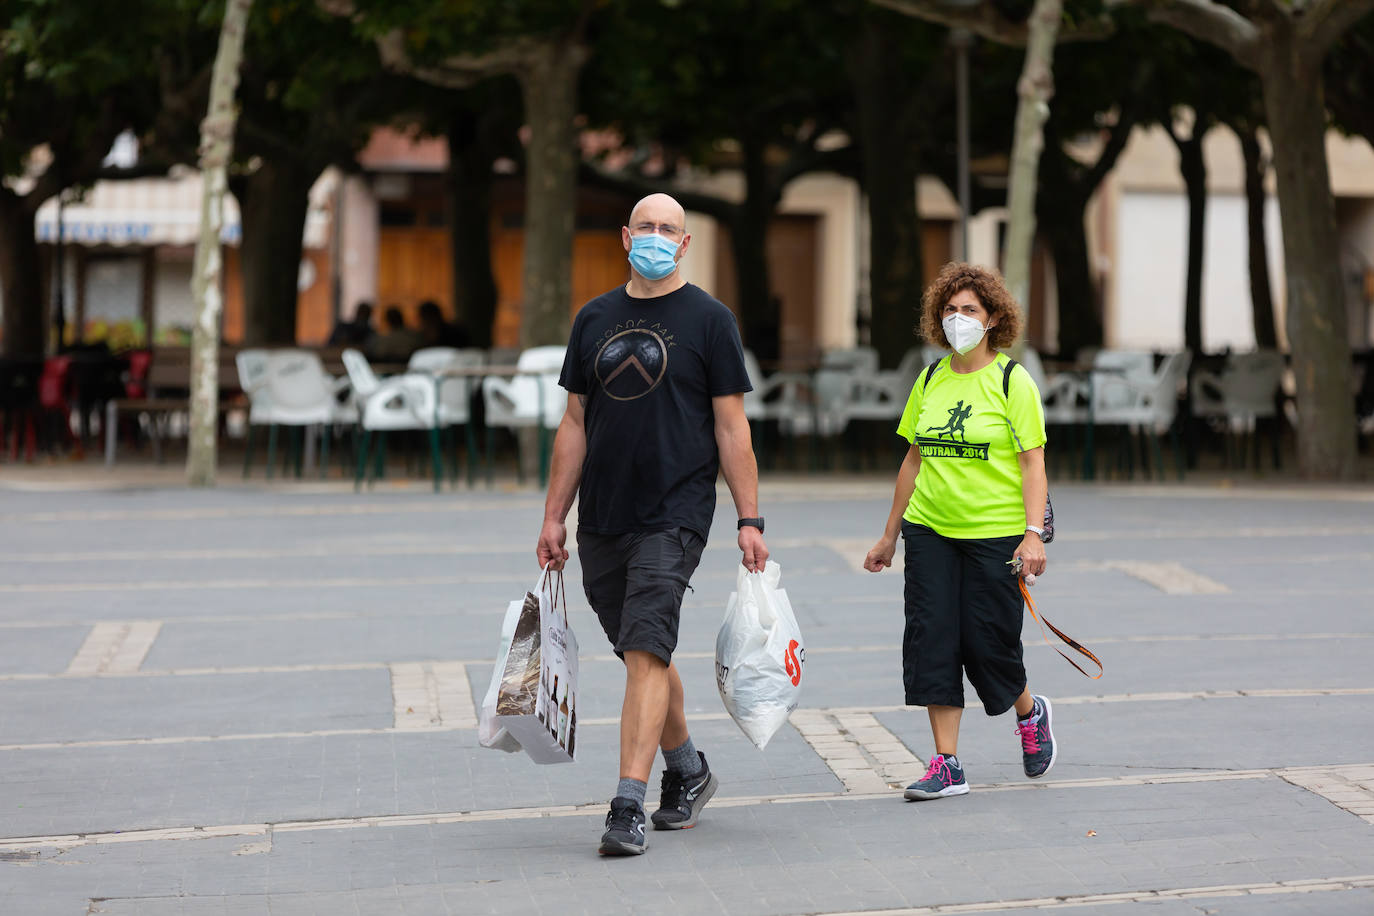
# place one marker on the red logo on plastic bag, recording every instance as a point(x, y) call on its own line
point(790, 659)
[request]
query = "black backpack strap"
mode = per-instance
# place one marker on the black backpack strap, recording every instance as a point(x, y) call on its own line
point(1006, 377)
point(930, 370)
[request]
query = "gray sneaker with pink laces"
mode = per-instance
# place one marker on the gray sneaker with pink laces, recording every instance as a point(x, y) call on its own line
point(1038, 750)
point(944, 778)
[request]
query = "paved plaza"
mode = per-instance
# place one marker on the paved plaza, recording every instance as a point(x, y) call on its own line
point(261, 700)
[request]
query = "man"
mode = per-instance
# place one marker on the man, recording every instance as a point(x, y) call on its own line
point(355, 333)
point(399, 341)
point(436, 331)
point(657, 371)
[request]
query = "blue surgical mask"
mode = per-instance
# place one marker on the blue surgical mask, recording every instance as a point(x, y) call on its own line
point(652, 255)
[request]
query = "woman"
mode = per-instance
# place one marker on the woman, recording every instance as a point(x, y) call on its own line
point(969, 502)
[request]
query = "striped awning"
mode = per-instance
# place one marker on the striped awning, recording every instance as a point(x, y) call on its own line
point(160, 211)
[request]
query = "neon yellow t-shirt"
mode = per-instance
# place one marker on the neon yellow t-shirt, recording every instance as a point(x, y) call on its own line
point(969, 484)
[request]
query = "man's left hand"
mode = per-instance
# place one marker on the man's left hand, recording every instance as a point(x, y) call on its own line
point(752, 546)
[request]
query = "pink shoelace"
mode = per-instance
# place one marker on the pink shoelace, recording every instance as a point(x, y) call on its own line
point(938, 766)
point(1030, 736)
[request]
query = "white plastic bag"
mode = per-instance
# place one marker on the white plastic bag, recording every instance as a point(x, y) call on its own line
point(759, 655)
point(489, 734)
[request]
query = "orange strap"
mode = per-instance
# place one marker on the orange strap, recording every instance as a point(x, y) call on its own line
point(1068, 640)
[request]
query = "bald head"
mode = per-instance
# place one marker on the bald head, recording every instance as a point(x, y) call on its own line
point(661, 210)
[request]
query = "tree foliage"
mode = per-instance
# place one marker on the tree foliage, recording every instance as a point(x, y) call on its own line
point(69, 85)
point(761, 103)
point(1286, 45)
point(311, 93)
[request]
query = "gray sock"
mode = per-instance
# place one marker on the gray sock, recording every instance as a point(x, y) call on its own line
point(683, 760)
point(633, 789)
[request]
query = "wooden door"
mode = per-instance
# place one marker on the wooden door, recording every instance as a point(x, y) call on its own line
point(598, 265)
point(792, 272)
point(414, 263)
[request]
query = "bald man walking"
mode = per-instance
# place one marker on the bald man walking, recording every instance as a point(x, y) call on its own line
point(657, 370)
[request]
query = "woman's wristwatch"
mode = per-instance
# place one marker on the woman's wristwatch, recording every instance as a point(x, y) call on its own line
point(1040, 532)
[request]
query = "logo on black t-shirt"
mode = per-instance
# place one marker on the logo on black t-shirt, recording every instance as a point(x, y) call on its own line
point(631, 364)
point(945, 445)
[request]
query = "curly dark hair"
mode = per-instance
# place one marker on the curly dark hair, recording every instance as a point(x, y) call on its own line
point(991, 291)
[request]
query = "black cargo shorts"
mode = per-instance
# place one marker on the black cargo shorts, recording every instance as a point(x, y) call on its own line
point(635, 583)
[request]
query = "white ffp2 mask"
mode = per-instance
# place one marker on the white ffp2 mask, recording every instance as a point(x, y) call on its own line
point(962, 332)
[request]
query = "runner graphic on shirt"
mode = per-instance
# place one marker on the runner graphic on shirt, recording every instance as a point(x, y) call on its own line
point(957, 415)
point(950, 439)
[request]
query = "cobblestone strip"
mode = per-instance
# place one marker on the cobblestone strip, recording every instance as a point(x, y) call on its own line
point(428, 695)
point(1350, 788)
point(842, 751)
point(1302, 886)
point(117, 647)
point(1170, 578)
point(894, 762)
point(414, 696)
point(456, 706)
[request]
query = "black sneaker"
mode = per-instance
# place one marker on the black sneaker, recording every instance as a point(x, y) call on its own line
point(624, 834)
point(683, 797)
point(1038, 750)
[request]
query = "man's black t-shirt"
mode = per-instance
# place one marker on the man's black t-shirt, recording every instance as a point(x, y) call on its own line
point(648, 369)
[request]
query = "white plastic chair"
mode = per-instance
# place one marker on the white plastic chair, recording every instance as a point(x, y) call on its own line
point(1148, 405)
point(1242, 393)
point(454, 403)
point(834, 386)
point(430, 359)
point(288, 387)
point(397, 402)
point(779, 397)
point(531, 398)
point(252, 368)
point(774, 397)
point(1136, 367)
point(1064, 395)
point(908, 370)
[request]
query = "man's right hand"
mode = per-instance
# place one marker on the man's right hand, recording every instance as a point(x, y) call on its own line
point(551, 552)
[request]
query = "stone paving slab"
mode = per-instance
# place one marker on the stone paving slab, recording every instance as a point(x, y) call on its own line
point(37, 650)
point(859, 854)
point(1184, 791)
point(1117, 738)
point(99, 789)
point(143, 707)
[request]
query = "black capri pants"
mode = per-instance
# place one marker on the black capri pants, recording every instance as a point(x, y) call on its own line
point(963, 616)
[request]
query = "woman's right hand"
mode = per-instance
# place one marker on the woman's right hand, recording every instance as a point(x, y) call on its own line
point(880, 556)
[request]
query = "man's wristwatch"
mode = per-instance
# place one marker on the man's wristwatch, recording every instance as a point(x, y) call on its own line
point(751, 522)
point(1039, 531)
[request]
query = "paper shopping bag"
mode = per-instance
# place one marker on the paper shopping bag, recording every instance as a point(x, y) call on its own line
point(536, 702)
point(489, 733)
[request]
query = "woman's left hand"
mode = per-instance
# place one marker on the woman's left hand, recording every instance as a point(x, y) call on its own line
point(1031, 552)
